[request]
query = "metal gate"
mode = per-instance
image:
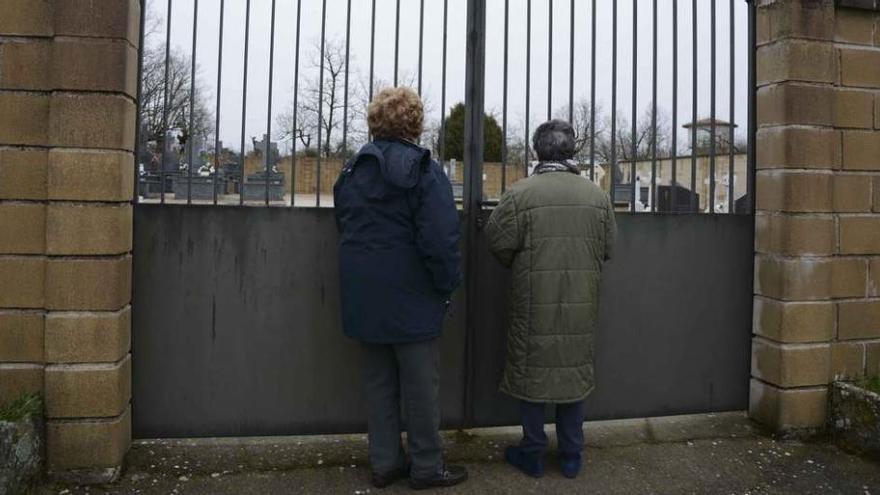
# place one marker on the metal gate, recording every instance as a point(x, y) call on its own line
point(236, 315)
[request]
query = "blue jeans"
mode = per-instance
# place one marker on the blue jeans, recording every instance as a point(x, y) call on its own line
point(569, 428)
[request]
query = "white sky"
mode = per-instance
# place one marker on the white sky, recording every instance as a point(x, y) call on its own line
point(258, 65)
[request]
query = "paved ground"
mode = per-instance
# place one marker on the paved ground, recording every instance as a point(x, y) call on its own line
point(721, 453)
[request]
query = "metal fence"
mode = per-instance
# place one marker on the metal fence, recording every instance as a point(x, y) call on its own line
point(643, 164)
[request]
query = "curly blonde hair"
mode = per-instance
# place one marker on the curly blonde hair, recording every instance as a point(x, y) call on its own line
point(396, 113)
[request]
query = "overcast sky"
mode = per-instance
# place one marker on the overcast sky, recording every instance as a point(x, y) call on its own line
point(258, 65)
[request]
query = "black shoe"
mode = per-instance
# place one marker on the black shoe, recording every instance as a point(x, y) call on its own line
point(451, 476)
point(388, 479)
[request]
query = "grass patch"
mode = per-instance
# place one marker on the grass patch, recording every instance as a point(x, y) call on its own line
point(22, 407)
point(872, 384)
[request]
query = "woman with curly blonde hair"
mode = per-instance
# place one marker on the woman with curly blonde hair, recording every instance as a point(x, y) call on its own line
point(399, 264)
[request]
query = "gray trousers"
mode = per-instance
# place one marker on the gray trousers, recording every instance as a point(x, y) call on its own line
point(408, 372)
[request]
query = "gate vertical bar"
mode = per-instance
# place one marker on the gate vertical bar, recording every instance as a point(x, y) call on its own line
point(295, 105)
point(528, 84)
point(475, 72)
point(267, 150)
point(593, 92)
point(674, 149)
point(613, 167)
point(571, 67)
point(504, 99)
point(712, 80)
point(653, 194)
point(635, 102)
point(753, 117)
point(396, 40)
point(217, 150)
point(190, 141)
point(372, 48)
point(247, 30)
point(320, 105)
point(732, 133)
point(695, 203)
point(165, 144)
point(421, 40)
point(443, 88)
point(138, 130)
point(550, 61)
point(345, 93)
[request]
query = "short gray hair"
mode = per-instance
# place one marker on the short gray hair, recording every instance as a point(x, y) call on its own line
point(554, 141)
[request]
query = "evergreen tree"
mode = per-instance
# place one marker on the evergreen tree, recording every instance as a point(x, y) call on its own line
point(455, 136)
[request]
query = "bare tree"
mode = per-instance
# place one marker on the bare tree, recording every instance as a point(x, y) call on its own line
point(153, 109)
point(157, 118)
point(642, 142)
point(319, 107)
point(583, 128)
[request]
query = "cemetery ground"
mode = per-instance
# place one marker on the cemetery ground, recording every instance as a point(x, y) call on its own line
point(712, 453)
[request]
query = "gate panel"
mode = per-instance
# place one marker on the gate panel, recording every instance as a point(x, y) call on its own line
point(674, 322)
point(236, 327)
point(237, 331)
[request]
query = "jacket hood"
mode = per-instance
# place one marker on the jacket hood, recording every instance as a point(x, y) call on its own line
point(400, 162)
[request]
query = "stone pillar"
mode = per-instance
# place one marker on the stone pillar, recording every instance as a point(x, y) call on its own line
point(817, 267)
point(68, 79)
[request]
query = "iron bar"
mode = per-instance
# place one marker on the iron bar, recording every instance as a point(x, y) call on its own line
point(267, 141)
point(528, 84)
point(732, 136)
point(396, 41)
point(345, 93)
point(320, 105)
point(138, 130)
point(296, 104)
point(421, 40)
point(247, 27)
point(695, 204)
point(753, 118)
point(550, 63)
point(712, 136)
point(504, 99)
point(653, 194)
point(593, 92)
point(571, 66)
point(165, 143)
point(635, 103)
point(372, 48)
point(674, 148)
point(613, 167)
point(190, 139)
point(443, 86)
point(217, 151)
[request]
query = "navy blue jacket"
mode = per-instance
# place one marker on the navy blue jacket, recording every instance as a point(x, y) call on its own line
point(398, 248)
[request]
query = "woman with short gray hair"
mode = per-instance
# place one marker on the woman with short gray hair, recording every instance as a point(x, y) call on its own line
point(554, 230)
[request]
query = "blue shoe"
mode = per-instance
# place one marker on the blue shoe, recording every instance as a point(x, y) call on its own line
point(528, 464)
point(570, 464)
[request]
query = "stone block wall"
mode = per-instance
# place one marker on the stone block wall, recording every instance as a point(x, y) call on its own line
point(817, 267)
point(68, 88)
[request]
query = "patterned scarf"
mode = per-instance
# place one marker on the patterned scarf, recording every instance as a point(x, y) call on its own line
point(563, 166)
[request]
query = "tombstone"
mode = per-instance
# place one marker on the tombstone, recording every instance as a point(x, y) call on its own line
point(198, 146)
point(684, 199)
point(257, 183)
point(742, 205)
point(170, 157)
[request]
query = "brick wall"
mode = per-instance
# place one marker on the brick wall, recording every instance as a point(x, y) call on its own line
point(817, 267)
point(68, 73)
point(306, 167)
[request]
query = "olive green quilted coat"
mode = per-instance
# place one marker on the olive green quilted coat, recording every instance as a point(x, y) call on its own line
point(554, 230)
